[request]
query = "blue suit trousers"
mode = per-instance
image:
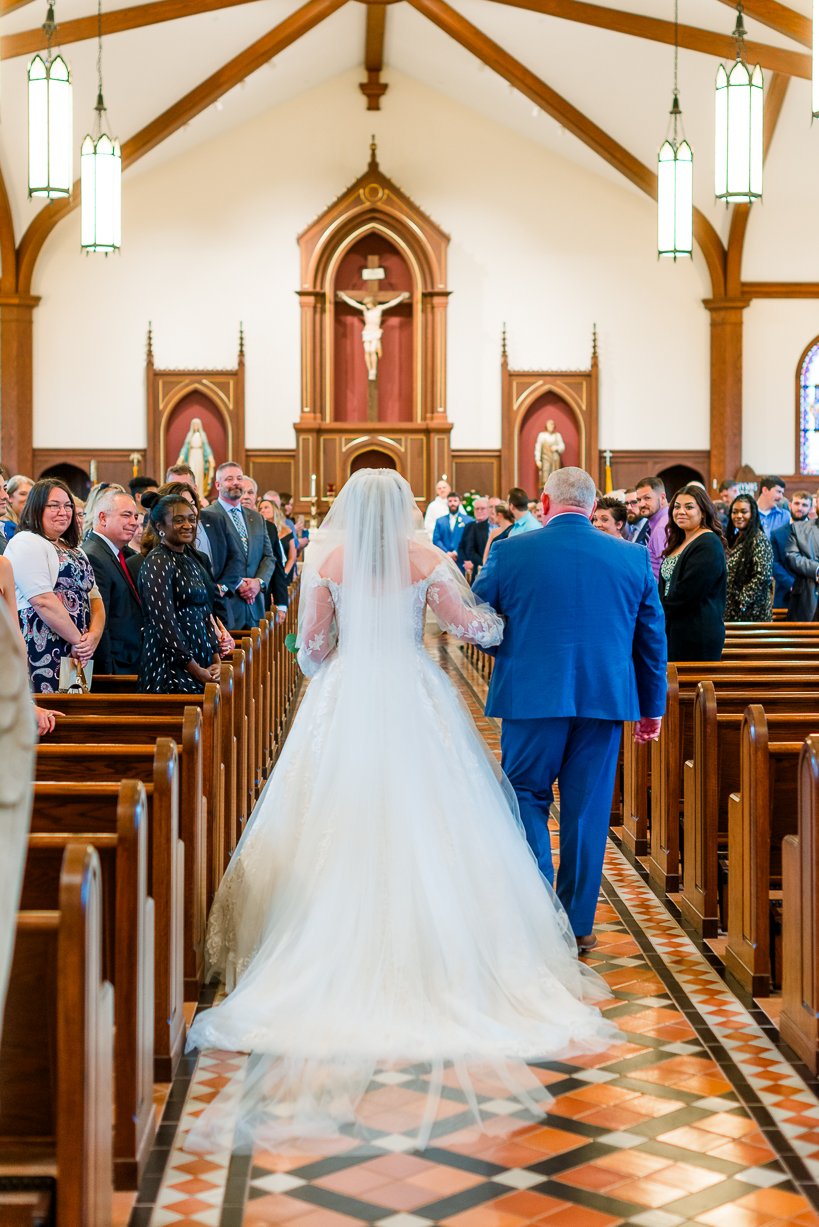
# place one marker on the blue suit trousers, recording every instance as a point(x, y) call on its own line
point(581, 755)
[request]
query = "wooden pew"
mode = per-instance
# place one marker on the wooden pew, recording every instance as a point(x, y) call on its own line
point(249, 640)
point(56, 1066)
point(799, 1020)
point(674, 745)
point(93, 807)
point(128, 955)
point(155, 765)
point(759, 817)
point(709, 778)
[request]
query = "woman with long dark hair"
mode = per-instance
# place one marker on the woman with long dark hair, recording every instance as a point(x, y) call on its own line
point(750, 565)
point(693, 577)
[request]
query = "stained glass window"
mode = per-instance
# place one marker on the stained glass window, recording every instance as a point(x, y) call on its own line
point(809, 412)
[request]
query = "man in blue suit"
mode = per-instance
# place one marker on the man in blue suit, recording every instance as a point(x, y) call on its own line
point(450, 528)
point(584, 649)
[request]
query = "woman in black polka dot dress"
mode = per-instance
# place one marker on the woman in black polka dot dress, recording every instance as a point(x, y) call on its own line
point(180, 652)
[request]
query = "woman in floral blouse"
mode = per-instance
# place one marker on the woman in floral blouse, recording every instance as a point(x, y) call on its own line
point(750, 565)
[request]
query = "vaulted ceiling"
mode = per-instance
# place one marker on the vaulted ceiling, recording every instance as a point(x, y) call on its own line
point(590, 81)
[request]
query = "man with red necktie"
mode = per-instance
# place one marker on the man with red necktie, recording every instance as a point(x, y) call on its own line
point(115, 522)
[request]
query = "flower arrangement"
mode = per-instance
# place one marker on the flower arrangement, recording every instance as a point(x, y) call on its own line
point(468, 501)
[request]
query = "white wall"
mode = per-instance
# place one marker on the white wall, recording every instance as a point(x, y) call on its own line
point(776, 333)
point(210, 238)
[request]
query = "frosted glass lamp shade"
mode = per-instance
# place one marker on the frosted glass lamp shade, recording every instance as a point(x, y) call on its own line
point(675, 200)
point(738, 133)
point(50, 128)
point(815, 64)
point(101, 180)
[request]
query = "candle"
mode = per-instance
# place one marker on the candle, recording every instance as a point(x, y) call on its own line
point(312, 485)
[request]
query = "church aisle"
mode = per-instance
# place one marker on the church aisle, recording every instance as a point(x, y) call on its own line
point(695, 1118)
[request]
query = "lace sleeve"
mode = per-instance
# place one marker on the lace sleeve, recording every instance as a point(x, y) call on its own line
point(317, 629)
point(454, 613)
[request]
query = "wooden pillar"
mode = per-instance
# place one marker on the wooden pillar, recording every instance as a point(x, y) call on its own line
point(17, 382)
point(726, 385)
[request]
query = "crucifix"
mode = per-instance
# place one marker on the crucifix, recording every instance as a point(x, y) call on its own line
point(372, 304)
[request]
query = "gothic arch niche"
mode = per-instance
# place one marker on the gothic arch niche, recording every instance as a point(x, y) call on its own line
point(372, 458)
point(807, 411)
point(176, 397)
point(373, 225)
point(528, 400)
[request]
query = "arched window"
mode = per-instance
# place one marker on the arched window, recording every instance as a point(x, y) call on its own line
point(809, 410)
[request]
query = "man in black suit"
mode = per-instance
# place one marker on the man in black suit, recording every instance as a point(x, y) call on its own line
point(115, 522)
point(243, 561)
point(473, 542)
point(277, 588)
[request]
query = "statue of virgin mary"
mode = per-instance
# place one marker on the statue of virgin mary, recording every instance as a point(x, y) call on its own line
point(197, 452)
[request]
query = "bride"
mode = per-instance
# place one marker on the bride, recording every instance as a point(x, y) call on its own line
point(382, 906)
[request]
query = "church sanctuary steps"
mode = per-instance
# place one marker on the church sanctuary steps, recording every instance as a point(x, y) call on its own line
point(759, 817)
point(92, 807)
point(128, 951)
point(156, 765)
point(711, 775)
point(675, 742)
point(56, 1065)
point(799, 1019)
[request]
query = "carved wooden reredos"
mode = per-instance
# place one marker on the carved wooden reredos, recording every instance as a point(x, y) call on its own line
point(407, 421)
point(528, 400)
point(175, 397)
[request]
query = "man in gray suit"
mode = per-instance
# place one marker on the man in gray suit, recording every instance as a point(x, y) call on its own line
point(240, 547)
point(802, 558)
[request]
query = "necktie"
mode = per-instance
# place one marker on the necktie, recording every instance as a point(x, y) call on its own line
point(131, 584)
point(239, 525)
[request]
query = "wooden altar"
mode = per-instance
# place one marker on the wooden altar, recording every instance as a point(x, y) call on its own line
point(373, 243)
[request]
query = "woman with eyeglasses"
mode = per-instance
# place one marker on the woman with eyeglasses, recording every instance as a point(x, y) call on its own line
point(180, 652)
point(59, 606)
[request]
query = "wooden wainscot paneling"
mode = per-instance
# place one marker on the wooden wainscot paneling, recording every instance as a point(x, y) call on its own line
point(82, 467)
point(677, 467)
point(478, 470)
point(272, 470)
point(569, 397)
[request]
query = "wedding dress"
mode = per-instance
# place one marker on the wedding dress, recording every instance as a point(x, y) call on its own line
point(383, 906)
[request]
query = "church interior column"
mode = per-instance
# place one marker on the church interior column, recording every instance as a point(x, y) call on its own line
point(16, 381)
point(726, 385)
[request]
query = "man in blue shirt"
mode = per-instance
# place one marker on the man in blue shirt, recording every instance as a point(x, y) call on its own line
point(773, 515)
point(525, 522)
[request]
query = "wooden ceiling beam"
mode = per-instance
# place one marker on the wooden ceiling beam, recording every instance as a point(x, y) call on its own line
point(115, 22)
point(11, 6)
point(374, 88)
point(692, 38)
point(595, 138)
point(175, 117)
point(778, 17)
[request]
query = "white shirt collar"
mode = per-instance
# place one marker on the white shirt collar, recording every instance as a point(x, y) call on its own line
point(113, 548)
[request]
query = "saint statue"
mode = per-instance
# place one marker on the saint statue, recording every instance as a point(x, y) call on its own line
point(549, 447)
point(372, 332)
point(197, 452)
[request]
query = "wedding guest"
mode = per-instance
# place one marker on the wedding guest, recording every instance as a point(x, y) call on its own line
point(278, 595)
point(140, 486)
point(58, 603)
point(635, 522)
point(653, 505)
point(301, 534)
point(802, 556)
point(609, 516)
point(438, 506)
point(449, 528)
point(475, 539)
point(493, 507)
point(693, 578)
point(181, 649)
point(109, 547)
point(19, 488)
point(287, 542)
point(250, 491)
point(773, 511)
point(45, 718)
point(505, 524)
point(80, 506)
point(8, 527)
point(728, 491)
point(801, 508)
point(525, 522)
point(750, 565)
point(242, 554)
point(94, 495)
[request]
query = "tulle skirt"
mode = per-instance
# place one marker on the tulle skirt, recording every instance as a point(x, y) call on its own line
point(383, 909)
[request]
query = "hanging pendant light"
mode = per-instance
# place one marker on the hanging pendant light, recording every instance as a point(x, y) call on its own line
point(815, 65)
point(101, 175)
point(738, 143)
point(675, 180)
point(50, 121)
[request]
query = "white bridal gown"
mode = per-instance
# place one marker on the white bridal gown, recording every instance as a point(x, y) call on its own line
point(383, 905)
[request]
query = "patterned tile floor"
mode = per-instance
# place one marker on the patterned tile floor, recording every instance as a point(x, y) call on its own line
point(694, 1118)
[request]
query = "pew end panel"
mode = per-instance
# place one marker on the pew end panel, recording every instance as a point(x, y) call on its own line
point(799, 1021)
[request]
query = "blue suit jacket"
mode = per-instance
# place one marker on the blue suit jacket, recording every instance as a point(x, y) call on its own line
point(585, 632)
point(782, 573)
point(449, 539)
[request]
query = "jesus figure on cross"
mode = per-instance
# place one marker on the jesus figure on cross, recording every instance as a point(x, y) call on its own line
point(372, 332)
